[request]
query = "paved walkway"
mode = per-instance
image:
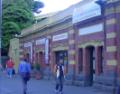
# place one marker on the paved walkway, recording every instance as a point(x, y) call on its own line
point(14, 86)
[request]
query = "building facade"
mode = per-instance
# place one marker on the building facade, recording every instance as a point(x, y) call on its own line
point(86, 36)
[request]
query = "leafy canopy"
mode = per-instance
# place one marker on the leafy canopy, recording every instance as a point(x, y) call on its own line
point(17, 15)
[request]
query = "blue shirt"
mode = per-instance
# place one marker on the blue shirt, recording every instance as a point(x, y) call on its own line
point(24, 67)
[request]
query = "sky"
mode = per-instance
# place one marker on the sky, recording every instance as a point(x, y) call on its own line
point(56, 5)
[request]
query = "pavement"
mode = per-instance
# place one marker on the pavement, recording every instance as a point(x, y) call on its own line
point(14, 86)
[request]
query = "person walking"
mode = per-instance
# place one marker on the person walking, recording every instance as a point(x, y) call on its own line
point(59, 71)
point(24, 70)
point(9, 67)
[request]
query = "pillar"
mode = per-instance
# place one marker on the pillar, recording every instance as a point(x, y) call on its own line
point(79, 61)
point(86, 67)
point(98, 60)
point(52, 59)
point(71, 55)
point(112, 20)
point(111, 44)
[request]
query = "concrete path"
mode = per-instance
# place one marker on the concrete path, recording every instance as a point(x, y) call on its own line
point(14, 86)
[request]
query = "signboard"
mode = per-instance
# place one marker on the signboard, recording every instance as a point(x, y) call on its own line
point(40, 41)
point(111, 1)
point(60, 37)
point(91, 29)
point(86, 11)
point(28, 44)
point(46, 51)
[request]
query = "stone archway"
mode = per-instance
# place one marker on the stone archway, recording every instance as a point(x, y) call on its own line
point(91, 61)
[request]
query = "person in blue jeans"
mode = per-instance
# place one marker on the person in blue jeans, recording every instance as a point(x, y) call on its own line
point(60, 74)
point(9, 67)
point(24, 70)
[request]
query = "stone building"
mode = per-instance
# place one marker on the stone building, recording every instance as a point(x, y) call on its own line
point(86, 36)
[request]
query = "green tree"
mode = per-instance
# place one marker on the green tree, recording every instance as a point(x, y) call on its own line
point(17, 15)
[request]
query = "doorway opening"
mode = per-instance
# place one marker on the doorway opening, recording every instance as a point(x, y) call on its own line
point(62, 55)
point(91, 64)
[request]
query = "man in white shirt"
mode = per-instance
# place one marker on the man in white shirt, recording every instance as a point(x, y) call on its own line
point(59, 71)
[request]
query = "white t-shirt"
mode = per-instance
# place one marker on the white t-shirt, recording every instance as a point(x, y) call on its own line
point(58, 70)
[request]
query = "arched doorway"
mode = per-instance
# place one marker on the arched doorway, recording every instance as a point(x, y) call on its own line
point(63, 54)
point(40, 59)
point(91, 64)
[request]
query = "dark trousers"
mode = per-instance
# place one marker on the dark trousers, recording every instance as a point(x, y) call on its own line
point(59, 84)
point(25, 78)
point(24, 85)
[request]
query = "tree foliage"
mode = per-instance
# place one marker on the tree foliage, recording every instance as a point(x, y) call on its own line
point(16, 15)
